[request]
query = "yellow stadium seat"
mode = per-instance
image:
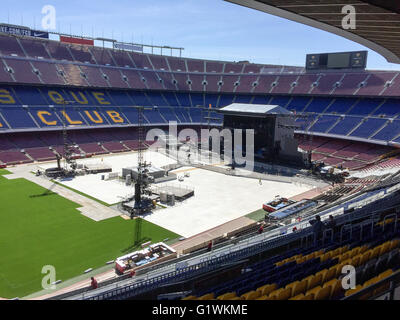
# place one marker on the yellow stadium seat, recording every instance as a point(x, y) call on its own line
point(355, 261)
point(335, 252)
point(207, 296)
point(299, 287)
point(352, 291)
point(394, 243)
point(308, 297)
point(323, 274)
point(375, 252)
point(354, 252)
point(380, 277)
point(339, 268)
point(335, 286)
point(334, 270)
point(307, 279)
point(252, 295)
point(370, 282)
point(385, 248)
point(227, 296)
point(300, 260)
point(314, 281)
point(344, 249)
point(310, 256)
point(281, 294)
point(366, 285)
point(265, 298)
point(344, 257)
point(363, 249)
point(313, 291)
point(266, 289)
point(323, 294)
point(190, 298)
point(385, 274)
point(330, 274)
point(326, 256)
point(290, 286)
point(298, 297)
point(236, 298)
point(346, 262)
point(365, 257)
point(387, 221)
point(280, 263)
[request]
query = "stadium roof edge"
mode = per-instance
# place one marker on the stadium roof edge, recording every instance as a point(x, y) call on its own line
point(387, 53)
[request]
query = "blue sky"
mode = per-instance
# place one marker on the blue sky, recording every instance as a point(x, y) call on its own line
point(209, 29)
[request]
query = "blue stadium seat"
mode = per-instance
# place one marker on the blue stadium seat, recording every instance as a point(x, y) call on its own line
point(368, 127)
point(156, 99)
point(140, 99)
point(318, 105)
point(365, 106)
point(298, 103)
point(390, 131)
point(261, 99)
point(225, 100)
point(184, 99)
point(324, 123)
point(17, 117)
point(243, 98)
point(344, 126)
point(341, 105)
point(170, 97)
point(391, 107)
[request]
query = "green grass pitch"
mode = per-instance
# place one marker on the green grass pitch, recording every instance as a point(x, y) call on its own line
point(37, 230)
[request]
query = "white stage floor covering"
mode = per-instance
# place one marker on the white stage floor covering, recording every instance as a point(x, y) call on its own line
point(218, 198)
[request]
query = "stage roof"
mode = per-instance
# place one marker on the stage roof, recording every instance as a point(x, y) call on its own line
point(254, 109)
point(377, 21)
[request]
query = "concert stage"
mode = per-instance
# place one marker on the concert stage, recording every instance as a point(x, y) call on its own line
point(273, 127)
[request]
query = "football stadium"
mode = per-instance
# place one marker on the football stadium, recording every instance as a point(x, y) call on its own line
point(133, 172)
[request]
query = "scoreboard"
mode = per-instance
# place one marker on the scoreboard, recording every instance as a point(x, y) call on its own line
point(338, 60)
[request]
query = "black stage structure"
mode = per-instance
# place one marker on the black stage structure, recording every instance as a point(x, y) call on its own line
point(273, 127)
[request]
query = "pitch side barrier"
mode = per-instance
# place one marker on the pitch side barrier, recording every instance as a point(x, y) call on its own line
point(210, 264)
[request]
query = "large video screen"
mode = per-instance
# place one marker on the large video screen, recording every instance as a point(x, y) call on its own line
point(339, 60)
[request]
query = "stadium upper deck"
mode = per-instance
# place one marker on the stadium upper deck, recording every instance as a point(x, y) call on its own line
point(37, 77)
point(44, 62)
